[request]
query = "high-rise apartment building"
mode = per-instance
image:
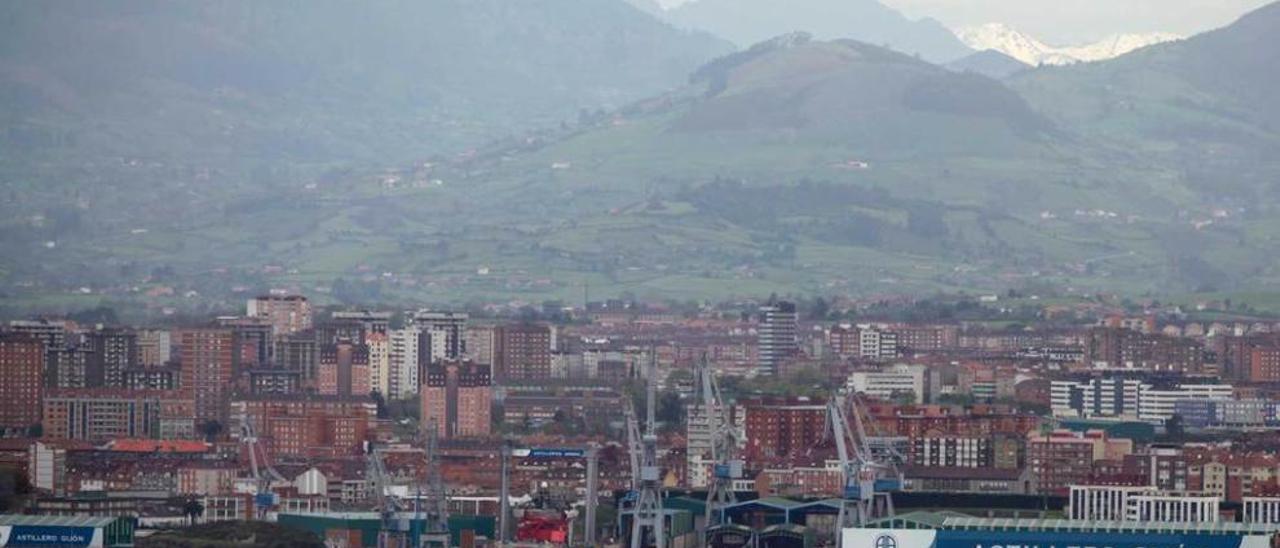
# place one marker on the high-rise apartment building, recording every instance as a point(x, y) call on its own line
point(456, 398)
point(452, 324)
point(777, 339)
point(523, 352)
point(22, 391)
point(354, 325)
point(155, 347)
point(344, 369)
point(306, 425)
point(778, 428)
point(298, 352)
point(379, 362)
point(287, 314)
point(481, 343)
point(68, 367)
point(113, 351)
point(254, 342)
point(52, 333)
point(402, 362)
point(207, 358)
point(876, 343)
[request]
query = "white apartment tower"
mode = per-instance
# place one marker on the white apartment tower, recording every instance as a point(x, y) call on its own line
point(777, 336)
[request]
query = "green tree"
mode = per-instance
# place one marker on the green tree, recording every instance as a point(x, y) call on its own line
point(670, 409)
point(211, 430)
point(193, 509)
point(1175, 428)
point(381, 403)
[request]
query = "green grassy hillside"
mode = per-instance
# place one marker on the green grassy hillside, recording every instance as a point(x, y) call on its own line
point(793, 166)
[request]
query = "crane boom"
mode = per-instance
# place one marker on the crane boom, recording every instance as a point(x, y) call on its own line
point(724, 444)
point(867, 479)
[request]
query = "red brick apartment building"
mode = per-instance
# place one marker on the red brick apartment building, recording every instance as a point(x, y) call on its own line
point(777, 428)
point(21, 393)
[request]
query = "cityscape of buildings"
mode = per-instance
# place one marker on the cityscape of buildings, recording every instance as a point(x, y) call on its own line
point(1107, 417)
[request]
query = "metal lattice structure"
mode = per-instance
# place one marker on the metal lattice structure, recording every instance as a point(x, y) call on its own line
point(259, 465)
point(646, 515)
point(376, 482)
point(436, 505)
point(868, 480)
point(726, 467)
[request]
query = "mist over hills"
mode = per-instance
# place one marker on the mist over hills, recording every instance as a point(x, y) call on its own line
point(1203, 106)
point(953, 179)
point(321, 80)
point(746, 22)
point(399, 166)
point(990, 63)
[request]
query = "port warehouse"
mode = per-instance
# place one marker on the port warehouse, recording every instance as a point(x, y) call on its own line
point(771, 521)
point(362, 528)
point(92, 532)
point(778, 522)
point(785, 521)
point(955, 530)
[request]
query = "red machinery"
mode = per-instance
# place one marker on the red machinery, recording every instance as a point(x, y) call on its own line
point(543, 526)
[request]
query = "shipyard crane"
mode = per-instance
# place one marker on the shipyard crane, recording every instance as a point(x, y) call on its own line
point(726, 466)
point(589, 452)
point(260, 467)
point(646, 515)
point(868, 481)
point(436, 523)
point(633, 445)
point(888, 457)
point(392, 532)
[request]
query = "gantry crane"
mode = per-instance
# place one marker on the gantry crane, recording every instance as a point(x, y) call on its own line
point(263, 472)
point(726, 466)
point(868, 480)
point(392, 532)
point(646, 514)
point(436, 520)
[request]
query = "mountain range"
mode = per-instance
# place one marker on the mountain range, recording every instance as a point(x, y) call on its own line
point(1020, 46)
point(329, 149)
point(322, 80)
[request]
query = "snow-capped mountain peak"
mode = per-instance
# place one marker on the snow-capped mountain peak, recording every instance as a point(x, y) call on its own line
point(1025, 48)
point(999, 37)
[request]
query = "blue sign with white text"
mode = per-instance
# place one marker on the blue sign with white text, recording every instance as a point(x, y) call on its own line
point(557, 453)
point(30, 535)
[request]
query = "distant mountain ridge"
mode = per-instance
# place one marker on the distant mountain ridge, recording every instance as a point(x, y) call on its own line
point(797, 165)
point(990, 63)
point(300, 77)
point(747, 22)
point(1029, 50)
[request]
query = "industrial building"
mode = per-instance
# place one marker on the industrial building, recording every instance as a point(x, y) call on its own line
point(357, 529)
point(954, 530)
point(89, 532)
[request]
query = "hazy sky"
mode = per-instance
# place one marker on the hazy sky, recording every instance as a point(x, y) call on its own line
point(1065, 22)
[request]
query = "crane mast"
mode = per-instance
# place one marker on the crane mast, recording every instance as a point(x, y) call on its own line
point(263, 472)
point(437, 504)
point(647, 516)
point(386, 506)
point(868, 480)
point(726, 467)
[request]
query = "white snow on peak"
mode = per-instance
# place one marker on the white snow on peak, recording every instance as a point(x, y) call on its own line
point(1025, 48)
